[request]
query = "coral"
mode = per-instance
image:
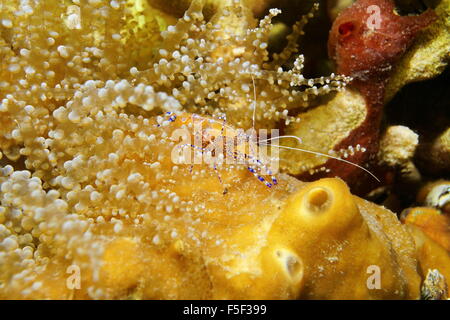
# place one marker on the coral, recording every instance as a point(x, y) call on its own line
point(430, 254)
point(44, 61)
point(321, 129)
point(209, 67)
point(377, 47)
point(227, 59)
point(436, 154)
point(397, 148)
point(297, 233)
point(141, 32)
point(398, 145)
point(347, 126)
point(147, 212)
point(327, 213)
point(434, 286)
point(435, 195)
point(368, 57)
point(433, 217)
point(372, 70)
point(432, 222)
point(334, 7)
point(178, 7)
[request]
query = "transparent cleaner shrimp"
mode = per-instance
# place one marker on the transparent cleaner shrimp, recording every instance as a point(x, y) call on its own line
point(212, 140)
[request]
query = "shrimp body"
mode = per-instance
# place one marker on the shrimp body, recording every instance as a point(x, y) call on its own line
point(220, 143)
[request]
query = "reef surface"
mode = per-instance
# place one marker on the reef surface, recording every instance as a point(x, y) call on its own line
point(97, 200)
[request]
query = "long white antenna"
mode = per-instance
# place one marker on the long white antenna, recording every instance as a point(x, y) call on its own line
point(326, 155)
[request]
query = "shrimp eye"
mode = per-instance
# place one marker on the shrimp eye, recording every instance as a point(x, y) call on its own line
point(346, 28)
